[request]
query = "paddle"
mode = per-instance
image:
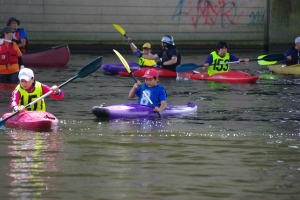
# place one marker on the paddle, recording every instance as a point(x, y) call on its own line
point(135, 80)
point(122, 31)
point(85, 71)
point(262, 60)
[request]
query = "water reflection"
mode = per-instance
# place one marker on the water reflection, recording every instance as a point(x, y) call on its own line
point(33, 156)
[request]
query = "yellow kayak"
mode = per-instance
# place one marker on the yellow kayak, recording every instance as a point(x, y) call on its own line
point(283, 69)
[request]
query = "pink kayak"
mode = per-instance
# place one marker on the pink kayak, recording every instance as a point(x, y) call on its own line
point(32, 120)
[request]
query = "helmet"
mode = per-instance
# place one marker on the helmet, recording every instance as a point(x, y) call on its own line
point(168, 39)
point(147, 45)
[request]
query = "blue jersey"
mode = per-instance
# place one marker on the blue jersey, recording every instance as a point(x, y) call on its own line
point(156, 95)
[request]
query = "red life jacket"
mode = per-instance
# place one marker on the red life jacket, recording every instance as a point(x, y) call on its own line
point(18, 41)
point(8, 55)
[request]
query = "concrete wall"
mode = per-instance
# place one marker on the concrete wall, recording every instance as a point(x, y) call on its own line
point(195, 24)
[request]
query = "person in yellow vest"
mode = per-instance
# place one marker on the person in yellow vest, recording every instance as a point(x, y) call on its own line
point(29, 89)
point(212, 63)
point(10, 57)
point(143, 62)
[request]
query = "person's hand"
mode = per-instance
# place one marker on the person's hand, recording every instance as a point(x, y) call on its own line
point(129, 40)
point(289, 57)
point(244, 60)
point(136, 85)
point(159, 63)
point(55, 89)
point(204, 68)
point(156, 109)
point(19, 108)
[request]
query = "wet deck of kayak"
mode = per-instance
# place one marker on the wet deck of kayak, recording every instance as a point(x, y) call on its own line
point(243, 142)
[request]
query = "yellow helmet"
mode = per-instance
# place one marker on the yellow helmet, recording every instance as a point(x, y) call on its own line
point(147, 45)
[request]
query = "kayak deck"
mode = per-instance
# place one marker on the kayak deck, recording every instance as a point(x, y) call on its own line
point(32, 120)
point(134, 110)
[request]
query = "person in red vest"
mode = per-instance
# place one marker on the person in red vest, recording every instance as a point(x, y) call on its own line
point(19, 36)
point(10, 57)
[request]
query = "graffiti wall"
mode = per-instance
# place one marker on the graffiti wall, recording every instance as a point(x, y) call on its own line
point(190, 22)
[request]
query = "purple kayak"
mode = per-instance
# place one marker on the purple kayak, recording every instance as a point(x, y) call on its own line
point(114, 68)
point(134, 111)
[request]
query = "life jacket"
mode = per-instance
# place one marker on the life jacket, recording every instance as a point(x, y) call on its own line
point(152, 93)
point(28, 97)
point(8, 55)
point(166, 57)
point(145, 62)
point(17, 39)
point(215, 66)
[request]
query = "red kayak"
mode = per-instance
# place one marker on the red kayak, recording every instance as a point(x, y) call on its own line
point(32, 120)
point(141, 72)
point(234, 76)
point(57, 56)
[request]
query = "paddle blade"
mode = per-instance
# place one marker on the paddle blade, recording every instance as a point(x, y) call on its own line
point(262, 62)
point(123, 61)
point(120, 29)
point(272, 57)
point(186, 67)
point(90, 68)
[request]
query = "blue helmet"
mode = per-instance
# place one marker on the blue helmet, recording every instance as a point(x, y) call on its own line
point(168, 39)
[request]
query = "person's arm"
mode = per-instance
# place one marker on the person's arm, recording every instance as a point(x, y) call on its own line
point(23, 37)
point(170, 62)
point(22, 43)
point(241, 60)
point(57, 93)
point(163, 101)
point(151, 57)
point(208, 61)
point(133, 90)
point(163, 105)
point(15, 98)
point(131, 46)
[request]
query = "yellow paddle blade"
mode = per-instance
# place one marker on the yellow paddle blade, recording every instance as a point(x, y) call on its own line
point(120, 29)
point(123, 61)
point(263, 62)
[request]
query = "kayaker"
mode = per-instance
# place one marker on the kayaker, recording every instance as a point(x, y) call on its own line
point(20, 36)
point(29, 89)
point(10, 57)
point(155, 92)
point(170, 56)
point(143, 62)
point(293, 54)
point(212, 62)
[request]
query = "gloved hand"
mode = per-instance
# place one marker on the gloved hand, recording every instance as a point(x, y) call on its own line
point(159, 63)
point(138, 54)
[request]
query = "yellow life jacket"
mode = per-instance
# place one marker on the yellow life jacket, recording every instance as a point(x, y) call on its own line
point(215, 67)
point(28, 97)
point(145, 62)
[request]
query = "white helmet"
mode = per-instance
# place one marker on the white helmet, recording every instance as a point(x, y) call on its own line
point(168, 39)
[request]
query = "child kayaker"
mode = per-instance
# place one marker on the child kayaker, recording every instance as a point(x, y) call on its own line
point(155, 92)
point(143, 62)
point(169, 56)
point(213, 61)
point(29, 89)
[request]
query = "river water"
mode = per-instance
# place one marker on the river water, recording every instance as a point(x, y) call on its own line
point(243, 143)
